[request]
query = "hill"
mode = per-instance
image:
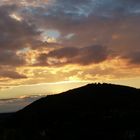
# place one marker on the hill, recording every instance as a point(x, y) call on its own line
point(95, 111)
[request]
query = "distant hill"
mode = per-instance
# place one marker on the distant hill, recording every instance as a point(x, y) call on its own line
point(95, 111)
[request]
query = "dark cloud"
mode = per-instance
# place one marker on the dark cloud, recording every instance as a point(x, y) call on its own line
point(14, 34)
point(93, 54)
point(72, 55)
point(11, 74)
point(113, 23)
point(67, 52)
point(91, 21)
point(133, 57)
point(11, 58)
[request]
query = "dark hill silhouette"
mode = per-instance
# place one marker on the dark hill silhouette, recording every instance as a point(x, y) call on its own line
point(95, 111)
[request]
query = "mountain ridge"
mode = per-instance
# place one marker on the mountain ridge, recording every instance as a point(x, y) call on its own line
point(97, 111)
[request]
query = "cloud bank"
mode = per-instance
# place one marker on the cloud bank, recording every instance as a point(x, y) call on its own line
point(57, 40)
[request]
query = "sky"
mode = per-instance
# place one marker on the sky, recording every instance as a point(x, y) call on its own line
point(49, 46)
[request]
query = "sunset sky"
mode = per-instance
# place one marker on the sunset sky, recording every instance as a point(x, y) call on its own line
point(48, 46)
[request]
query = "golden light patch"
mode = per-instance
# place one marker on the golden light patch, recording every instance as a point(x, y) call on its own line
point(115, 36)
point(106, 71)
point(51, 40)
point(16, 17)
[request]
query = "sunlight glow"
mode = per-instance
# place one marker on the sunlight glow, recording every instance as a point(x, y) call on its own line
point(16, 17)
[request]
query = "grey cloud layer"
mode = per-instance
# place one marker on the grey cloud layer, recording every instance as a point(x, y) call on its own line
point(112, 23)
point(73, 55)
point(15, 104)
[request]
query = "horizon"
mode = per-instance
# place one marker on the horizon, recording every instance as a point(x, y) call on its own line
point(50, 46)
point(13, 104)
point(50, 88)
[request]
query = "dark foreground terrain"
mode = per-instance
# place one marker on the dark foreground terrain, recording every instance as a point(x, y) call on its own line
point(95, 111)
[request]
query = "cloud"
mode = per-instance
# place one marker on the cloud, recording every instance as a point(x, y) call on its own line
point(11, 58)
point(16, 35)
point(81, 24)
point(21, 3)
point(90, 22)
point(15, 104)
point(11, 74)
point(72, 55)
point(133, 57)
